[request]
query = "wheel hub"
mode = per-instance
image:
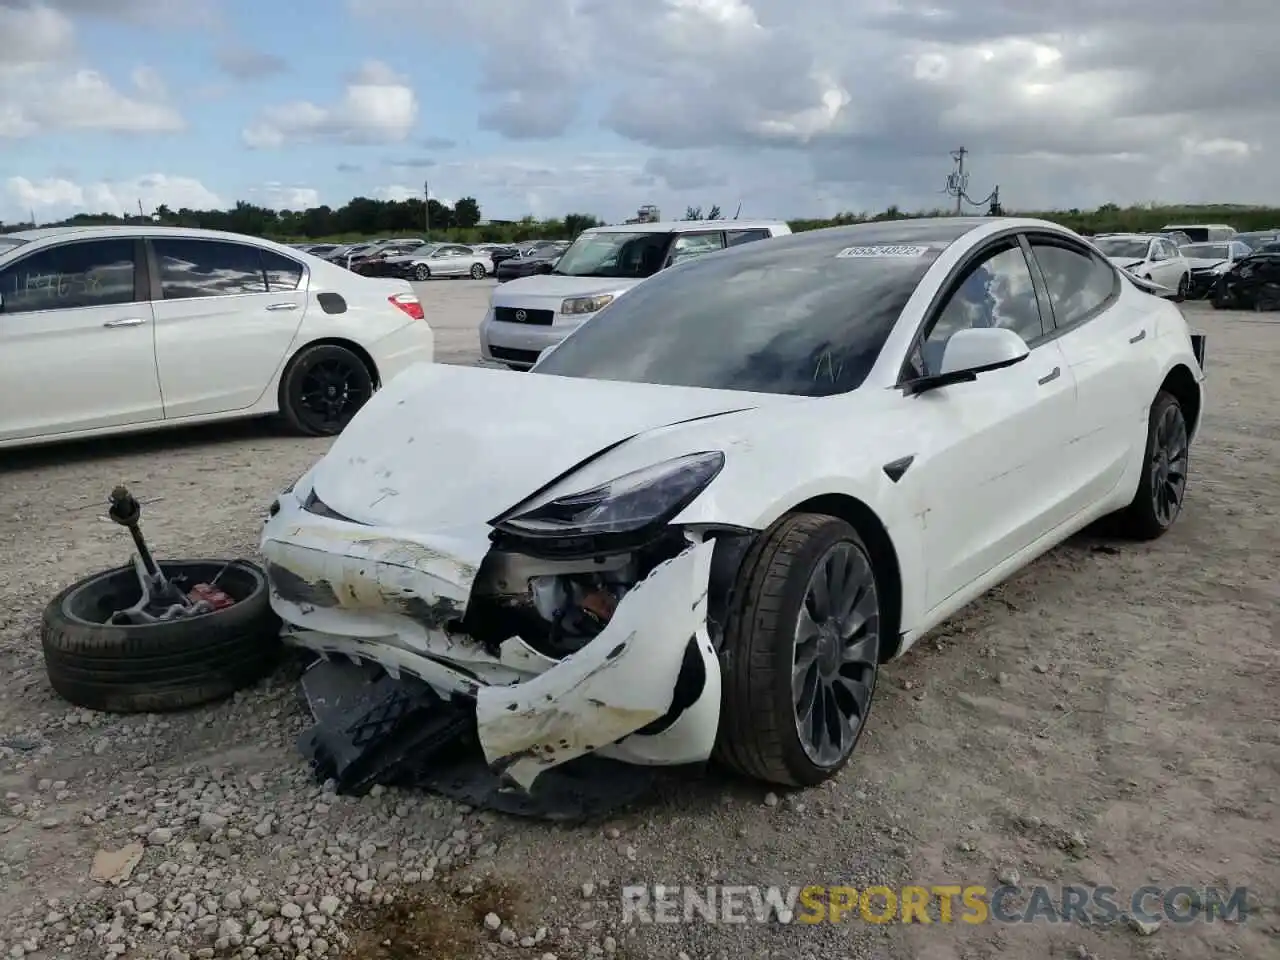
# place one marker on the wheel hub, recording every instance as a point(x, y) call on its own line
point(829, 644)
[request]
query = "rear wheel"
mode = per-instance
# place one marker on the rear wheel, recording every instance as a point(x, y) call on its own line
point(324, 386)
point(1158, 501)
point(477, 271)
point(801, 653)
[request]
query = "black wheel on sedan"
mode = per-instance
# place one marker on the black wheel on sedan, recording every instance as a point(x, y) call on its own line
point(421, 272)
point(1184, 288)
point(801, 652)
point(323, 387)
point(1158, 501)
point(477, 271)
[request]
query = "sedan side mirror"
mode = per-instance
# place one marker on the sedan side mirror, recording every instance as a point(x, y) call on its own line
point(979, 349)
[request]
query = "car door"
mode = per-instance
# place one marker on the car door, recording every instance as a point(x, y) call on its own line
point(76, 340)
point(1105, 342)
point(225, 314)
point(451, 261)
point(986, 477)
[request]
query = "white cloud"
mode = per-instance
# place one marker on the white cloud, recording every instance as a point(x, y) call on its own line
point(43, 89)
point(56, 198)
point(378, 107)
point(398, 192)
point(1060, 105)
point(279, 196)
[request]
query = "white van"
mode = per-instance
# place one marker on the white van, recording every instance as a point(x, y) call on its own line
point(532, 313)
point(1202, 232)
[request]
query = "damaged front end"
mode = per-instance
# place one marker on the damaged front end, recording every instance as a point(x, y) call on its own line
point(568, 629)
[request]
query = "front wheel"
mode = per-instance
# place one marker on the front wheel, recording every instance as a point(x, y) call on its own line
point(477, 271)
point(422, 272)
point(323, 388)
point(1158, 501)
point(801, 652)
point(1184, 287)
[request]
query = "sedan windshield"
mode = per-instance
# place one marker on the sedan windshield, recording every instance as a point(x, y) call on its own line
point(611, 254)
point(1124, 247)
point(791, 320)
point(1206, 251)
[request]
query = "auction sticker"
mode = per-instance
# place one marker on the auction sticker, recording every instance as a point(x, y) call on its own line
point(885, 251)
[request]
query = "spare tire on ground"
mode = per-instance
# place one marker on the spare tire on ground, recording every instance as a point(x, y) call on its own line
point(162, 666)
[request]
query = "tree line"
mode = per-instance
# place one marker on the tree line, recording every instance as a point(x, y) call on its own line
point(363, 217)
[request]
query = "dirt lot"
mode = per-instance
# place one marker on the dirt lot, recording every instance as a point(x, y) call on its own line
point(1107, 717)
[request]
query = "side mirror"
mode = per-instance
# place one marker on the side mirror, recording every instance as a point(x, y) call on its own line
point(979, 349)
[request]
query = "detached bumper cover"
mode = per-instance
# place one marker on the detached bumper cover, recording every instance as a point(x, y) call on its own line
point(396, 598)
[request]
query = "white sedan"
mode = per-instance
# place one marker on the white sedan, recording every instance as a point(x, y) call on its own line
point(440, 260)
point(1157, 259)
point(704, 520)
point(111, 329)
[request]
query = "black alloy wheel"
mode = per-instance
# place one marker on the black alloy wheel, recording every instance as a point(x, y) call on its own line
point(324, 387)
point(836, 654)
point(800, 652)
point(1163, 483)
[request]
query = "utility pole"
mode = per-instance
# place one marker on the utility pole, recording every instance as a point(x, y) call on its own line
point(426, 207)
point(142, 213)
point(958, 183)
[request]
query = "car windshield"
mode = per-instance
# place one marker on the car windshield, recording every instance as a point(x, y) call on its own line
point(426, 250)
point(613, 254)
point(798, 319)
point(1206, 251)
point(1130, 248)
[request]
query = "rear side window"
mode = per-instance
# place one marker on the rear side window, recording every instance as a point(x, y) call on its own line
point(1079, 284)
point(207, 268)
point(283, 273)
point(91, 273)
point(736, 237)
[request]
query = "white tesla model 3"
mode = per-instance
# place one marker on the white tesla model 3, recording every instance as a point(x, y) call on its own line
point(702, 522)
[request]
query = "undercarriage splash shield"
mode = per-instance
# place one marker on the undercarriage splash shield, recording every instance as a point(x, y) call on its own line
point(372, 729)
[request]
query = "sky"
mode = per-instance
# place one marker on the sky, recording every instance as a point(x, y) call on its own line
point(784, 108)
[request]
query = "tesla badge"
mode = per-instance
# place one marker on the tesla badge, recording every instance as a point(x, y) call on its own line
point(521, 316)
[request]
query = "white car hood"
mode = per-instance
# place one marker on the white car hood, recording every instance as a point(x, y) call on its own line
point(549, 291)
point(442, 447)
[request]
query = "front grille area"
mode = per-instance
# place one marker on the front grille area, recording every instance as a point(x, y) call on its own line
point(508, 355)
point(542, 318)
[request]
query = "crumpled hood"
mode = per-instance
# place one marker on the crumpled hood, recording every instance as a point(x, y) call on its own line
point(1126, 263)
point(441, 446)
point(1204, 263)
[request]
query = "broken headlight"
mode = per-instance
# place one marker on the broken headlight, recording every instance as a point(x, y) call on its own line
point(635, 500)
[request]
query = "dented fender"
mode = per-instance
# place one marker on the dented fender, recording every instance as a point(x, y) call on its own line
point(622, 681)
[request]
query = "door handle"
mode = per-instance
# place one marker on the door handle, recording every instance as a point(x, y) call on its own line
point(1051, 376)
point(1139, 336)
point(282, 306)
point(126, 322)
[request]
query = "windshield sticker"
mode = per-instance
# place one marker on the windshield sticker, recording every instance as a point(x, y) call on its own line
point(885, 251)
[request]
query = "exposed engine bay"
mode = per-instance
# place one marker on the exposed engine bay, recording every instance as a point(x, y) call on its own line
point(557, 606)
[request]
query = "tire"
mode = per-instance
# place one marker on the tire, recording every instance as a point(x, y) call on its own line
point(478, 271)
point(153, 668)
point(759, 733)
point(1184, 286)
point(1141, 520)
point(421, 272)
point(324, 386)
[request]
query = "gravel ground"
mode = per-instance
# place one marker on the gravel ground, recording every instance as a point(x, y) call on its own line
point(1109, 716)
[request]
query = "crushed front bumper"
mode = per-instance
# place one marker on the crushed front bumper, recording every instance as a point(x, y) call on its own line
point(645, 690)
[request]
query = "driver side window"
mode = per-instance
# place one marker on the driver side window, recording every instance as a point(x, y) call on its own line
point(996, 291)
